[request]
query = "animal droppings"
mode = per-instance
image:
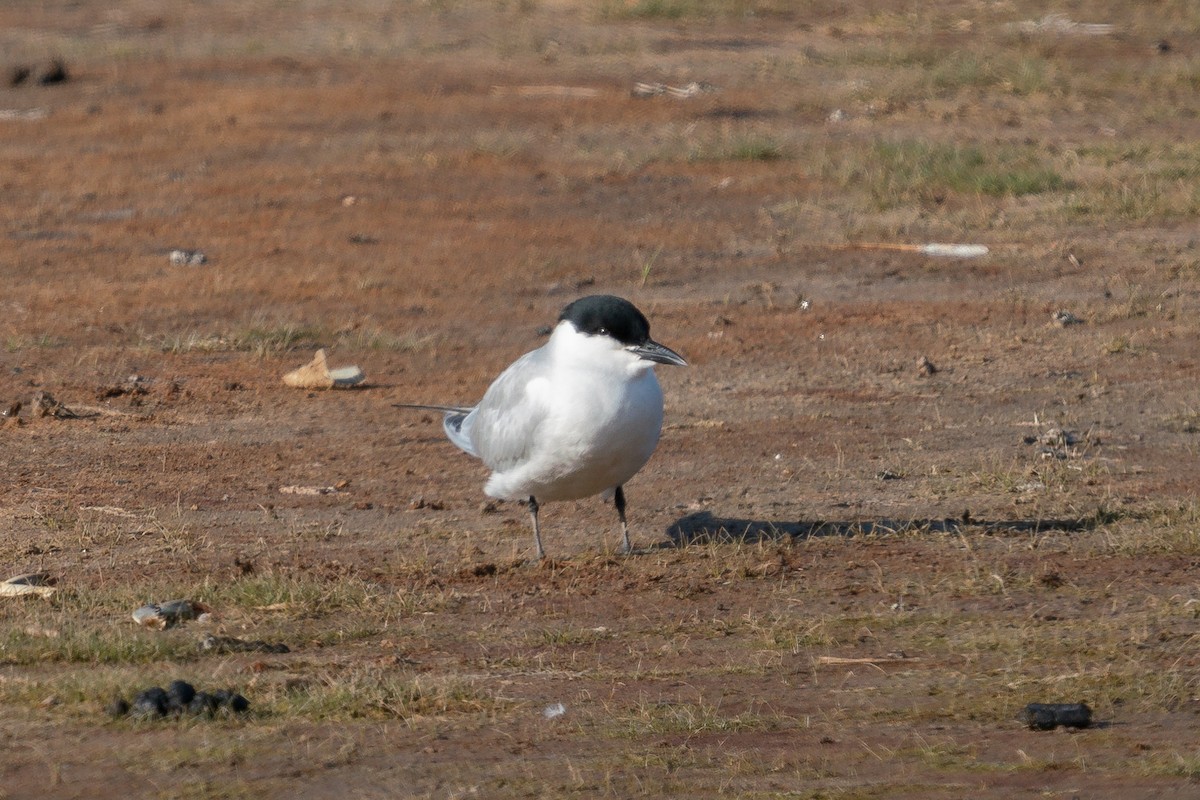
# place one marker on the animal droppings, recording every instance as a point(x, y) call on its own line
point(179, 698)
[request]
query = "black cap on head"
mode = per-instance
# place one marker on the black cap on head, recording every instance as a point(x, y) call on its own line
point(606, 315)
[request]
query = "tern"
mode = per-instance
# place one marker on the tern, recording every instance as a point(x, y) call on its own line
point(577, 417)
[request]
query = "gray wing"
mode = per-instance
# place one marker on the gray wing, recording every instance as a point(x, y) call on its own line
point(502, 428)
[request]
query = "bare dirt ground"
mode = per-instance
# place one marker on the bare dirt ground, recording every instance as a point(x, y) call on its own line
point(851, 573)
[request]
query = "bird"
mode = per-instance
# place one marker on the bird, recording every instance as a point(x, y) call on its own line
point(577, 417)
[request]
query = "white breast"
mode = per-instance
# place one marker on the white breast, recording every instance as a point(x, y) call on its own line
point(602, 420)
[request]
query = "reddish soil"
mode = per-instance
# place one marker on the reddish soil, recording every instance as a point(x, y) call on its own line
point(404, 199)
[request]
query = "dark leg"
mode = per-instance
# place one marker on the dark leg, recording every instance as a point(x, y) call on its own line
point(619, 502)
point(537, 534)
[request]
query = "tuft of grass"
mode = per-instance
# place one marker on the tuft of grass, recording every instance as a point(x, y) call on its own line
point(375, 338)
point(1169, 530)
point(1119, 344)
point(265, 340)
point(261, 340)
point(1139, 199)
point(659, 718)
point(742, 148)
point(376, 693)
point(306, 595)
point(39, 341)
point(648, 265)
point(1186, 420)
point(794, 634)
point(568, 637)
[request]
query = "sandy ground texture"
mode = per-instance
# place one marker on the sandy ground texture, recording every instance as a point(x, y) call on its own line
point(898, 495)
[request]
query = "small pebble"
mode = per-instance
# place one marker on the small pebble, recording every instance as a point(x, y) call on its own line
point(1063, 318)
point(189, 258)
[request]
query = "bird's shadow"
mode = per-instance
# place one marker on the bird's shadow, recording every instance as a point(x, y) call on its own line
point(705, 527)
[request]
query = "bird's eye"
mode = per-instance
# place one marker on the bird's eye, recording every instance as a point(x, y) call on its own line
point(603, 331)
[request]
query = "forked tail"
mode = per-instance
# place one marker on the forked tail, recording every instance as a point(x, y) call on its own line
point(452, 423)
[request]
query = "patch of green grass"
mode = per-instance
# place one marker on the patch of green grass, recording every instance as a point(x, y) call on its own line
point(373, 693)
point(305, 595)
point(187, 342)
point(756, 149)
point(108, 641)
point(95, 626)
point(902, 171)
point(691, 9)
point(961, 69)
point(39, 341)
point(263, 340)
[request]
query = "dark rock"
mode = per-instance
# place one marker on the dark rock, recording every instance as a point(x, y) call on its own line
point(1047, 716)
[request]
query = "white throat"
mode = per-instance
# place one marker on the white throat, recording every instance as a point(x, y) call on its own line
point(569, 348)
